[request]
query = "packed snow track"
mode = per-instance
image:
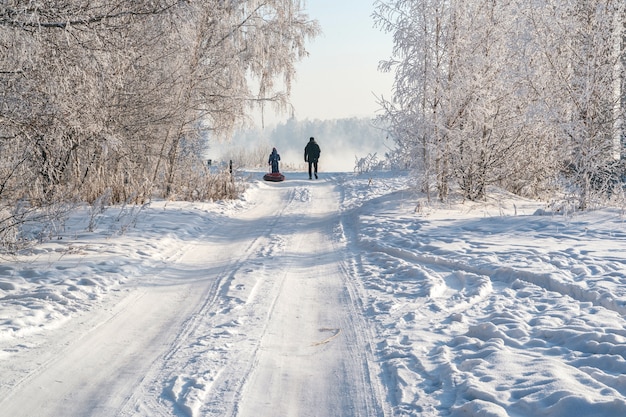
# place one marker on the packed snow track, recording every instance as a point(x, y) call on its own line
point(254, 318)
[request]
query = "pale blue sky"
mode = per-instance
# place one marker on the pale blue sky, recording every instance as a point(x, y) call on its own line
point(340, 78)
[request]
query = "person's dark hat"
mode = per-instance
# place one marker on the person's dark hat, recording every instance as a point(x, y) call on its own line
point(312, 139)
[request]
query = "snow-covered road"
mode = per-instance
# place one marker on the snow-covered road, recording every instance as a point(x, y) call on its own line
point(348, 296)
point(252, 317)
point(278, 333)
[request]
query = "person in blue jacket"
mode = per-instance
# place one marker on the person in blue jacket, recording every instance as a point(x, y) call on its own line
point(273, 161)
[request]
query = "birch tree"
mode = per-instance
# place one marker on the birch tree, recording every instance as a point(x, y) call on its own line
point(117, 98)
point(455, 85)
point(581, 43)
point(226, 46)
point(420, 33)
point(506, 92)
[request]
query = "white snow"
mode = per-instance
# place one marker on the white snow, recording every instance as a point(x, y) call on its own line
point(345, 296)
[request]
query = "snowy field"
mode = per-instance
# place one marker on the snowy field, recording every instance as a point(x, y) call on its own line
point(345, 296)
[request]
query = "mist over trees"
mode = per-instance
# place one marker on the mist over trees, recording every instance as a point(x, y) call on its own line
point(114, 100)
point(524, 95)
point(343, 142)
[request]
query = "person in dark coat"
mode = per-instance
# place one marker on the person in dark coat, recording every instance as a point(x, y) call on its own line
point(312, 155)
point(273, 161)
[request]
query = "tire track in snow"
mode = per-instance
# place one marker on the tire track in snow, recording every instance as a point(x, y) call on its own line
point(91, 365)
point(229, 289)
point(221, 362)
point(408, 300)
point(497, 272)
point(459, 331)
point(292, 373)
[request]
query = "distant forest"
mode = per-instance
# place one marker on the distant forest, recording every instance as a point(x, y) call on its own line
point(342, 141)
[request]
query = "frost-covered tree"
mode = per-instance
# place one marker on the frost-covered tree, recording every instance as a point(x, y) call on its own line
point(227, 47)
point(453, 95)
point(485, 91)
point(581, 43)
point(420, 51)
point(117, 98)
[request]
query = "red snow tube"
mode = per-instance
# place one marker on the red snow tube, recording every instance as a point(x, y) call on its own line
point(274, 177)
